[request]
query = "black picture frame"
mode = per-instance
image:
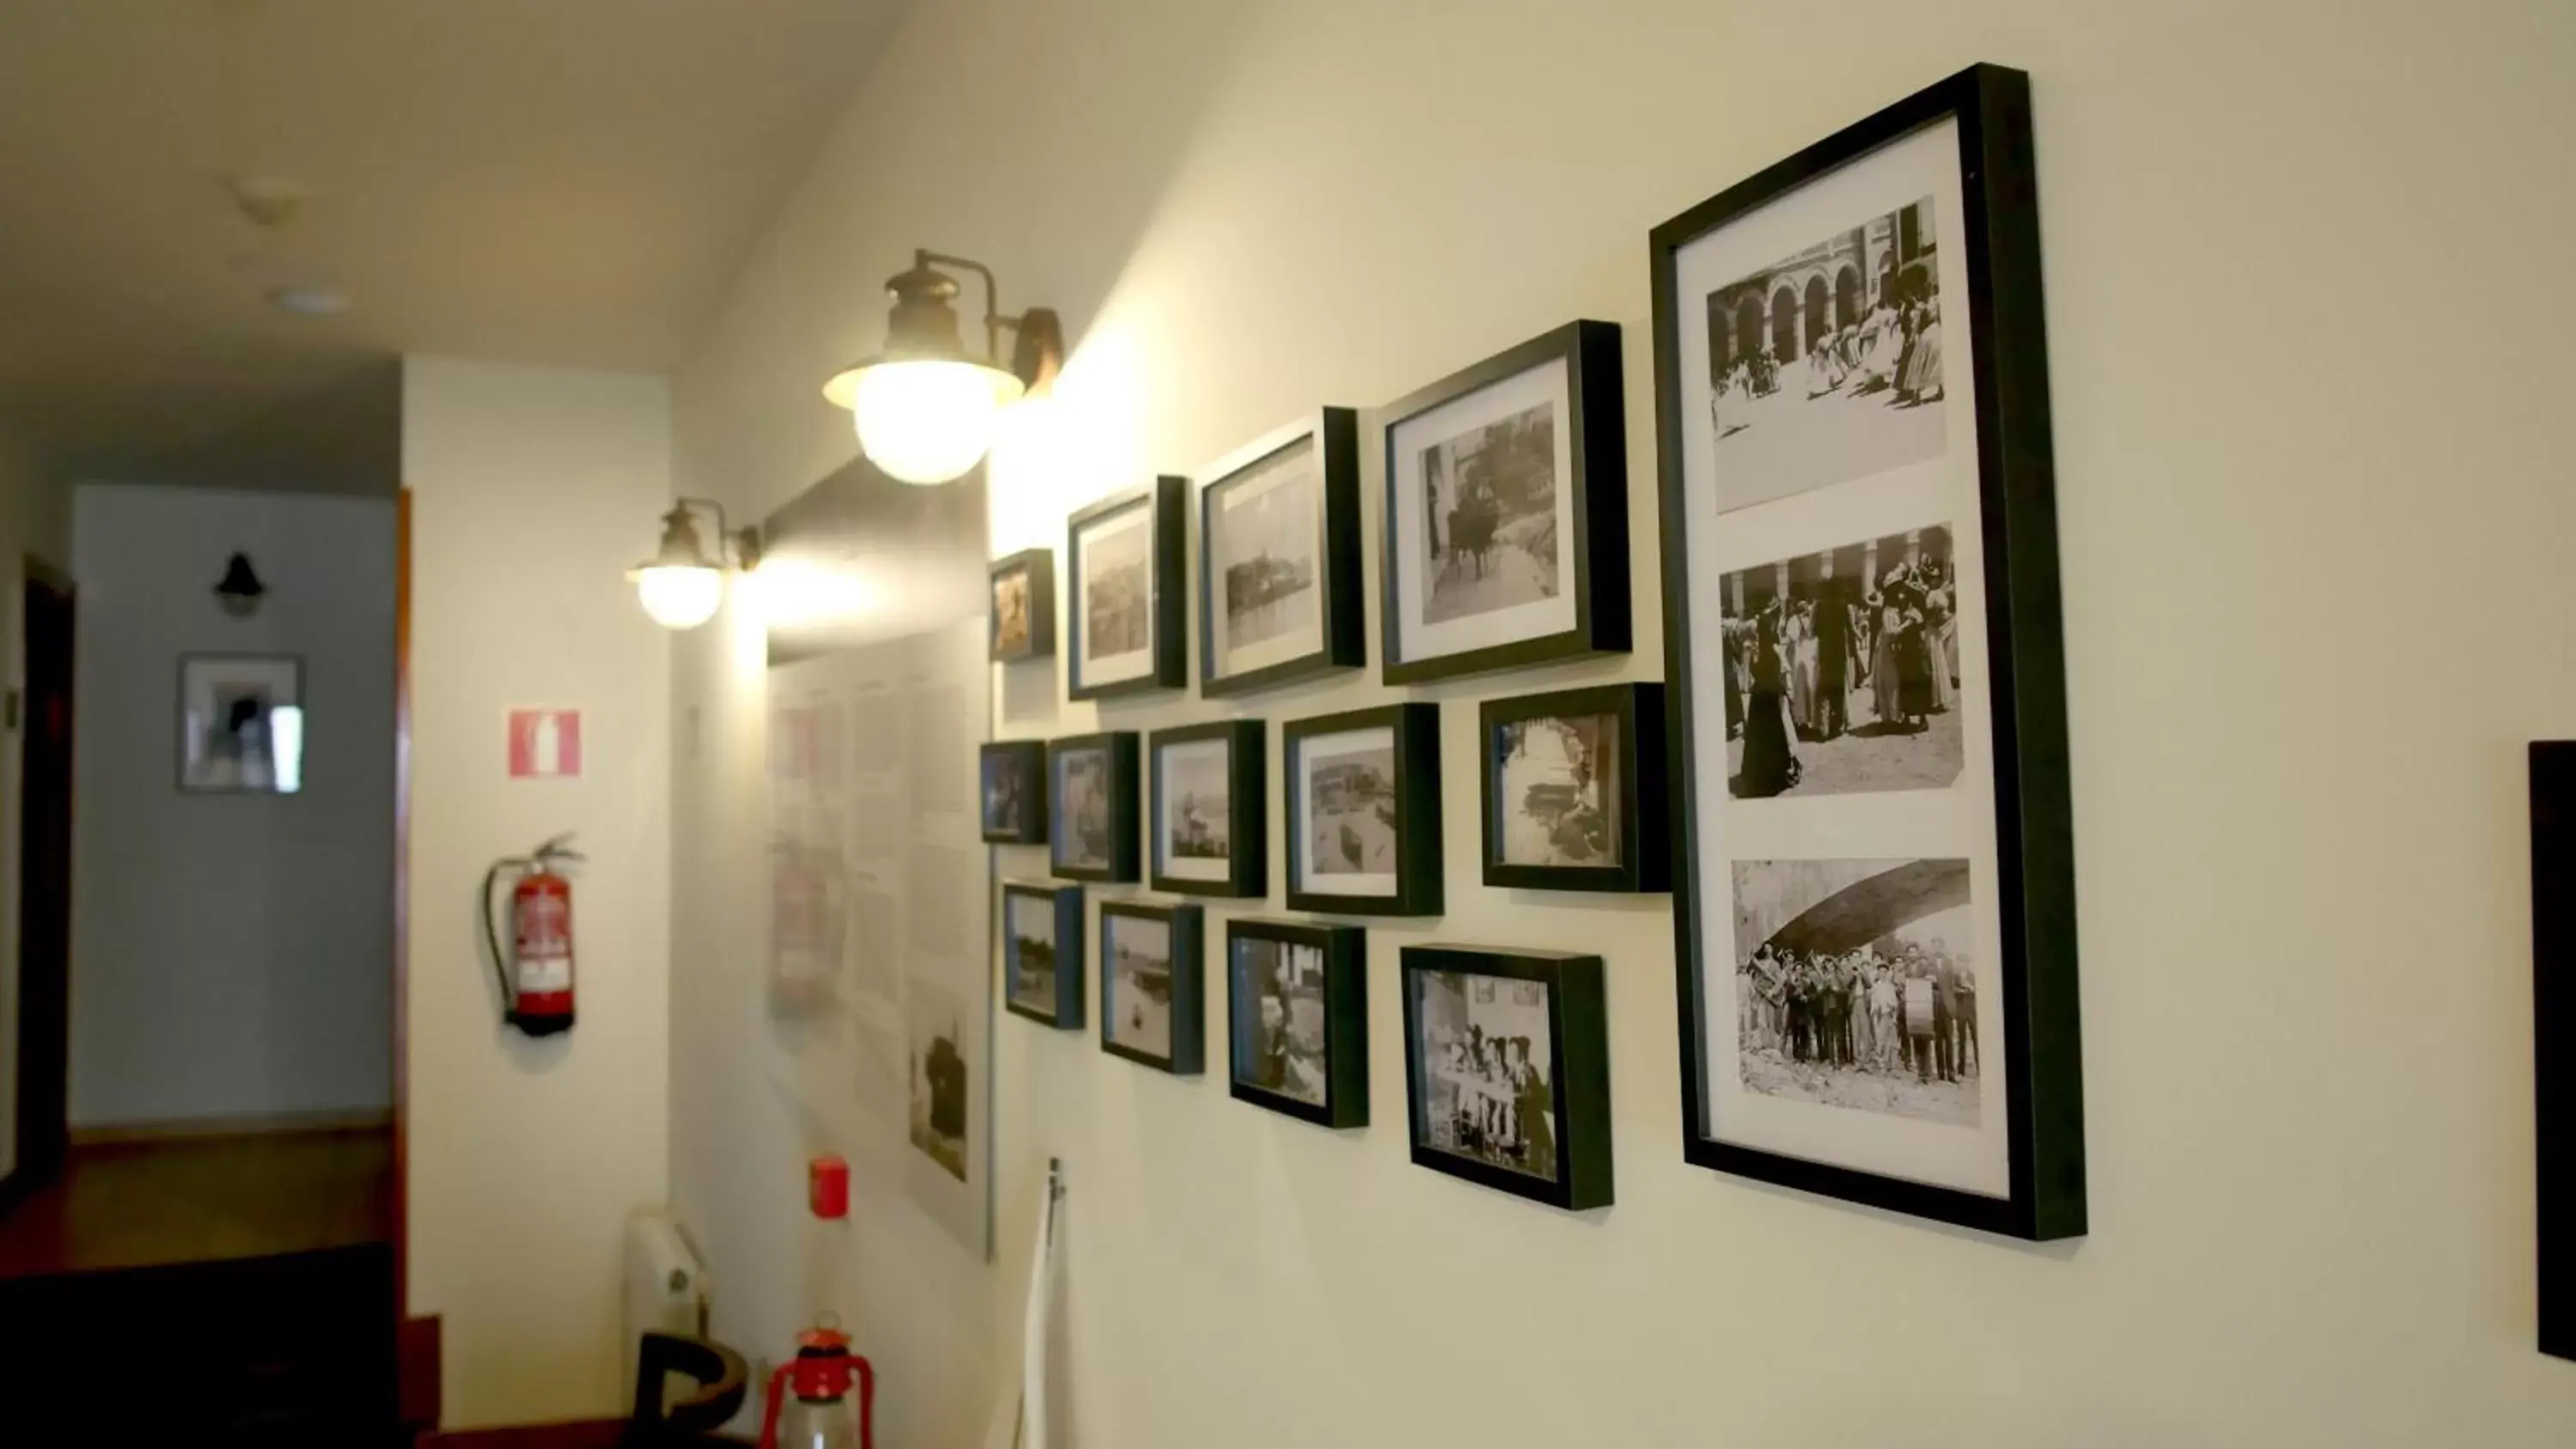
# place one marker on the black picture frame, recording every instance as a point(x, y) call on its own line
point(1247, 809)
point(1344, 962)
point(1578, 1072)
point(1119, 746)
point(1641, 829)
point(1063, 1010)
point(1024, 765)
point(1334, 434)
point(2553, 1006)
point(197, 673)
point(1166, 502)
point(1039, 565)
point(1593, 562)
point(2016, 524)
point(1186, 1006)
point(1415, 791)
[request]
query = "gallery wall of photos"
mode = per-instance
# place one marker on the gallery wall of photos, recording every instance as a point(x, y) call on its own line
point(1849, 777)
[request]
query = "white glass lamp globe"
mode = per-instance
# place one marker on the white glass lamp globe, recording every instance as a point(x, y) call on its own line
point(679, 596)
point(927, 421)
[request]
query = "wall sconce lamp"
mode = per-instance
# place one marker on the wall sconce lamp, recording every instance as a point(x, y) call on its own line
point(680, 586)
point(239, 591)
point(926, 408)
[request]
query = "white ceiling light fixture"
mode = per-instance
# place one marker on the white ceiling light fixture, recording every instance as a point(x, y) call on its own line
point(681, 586)
point(926, 408)
point(309, 299)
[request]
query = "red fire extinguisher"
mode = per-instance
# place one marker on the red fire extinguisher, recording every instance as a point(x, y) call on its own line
point(820, 1416)
point(536, 975)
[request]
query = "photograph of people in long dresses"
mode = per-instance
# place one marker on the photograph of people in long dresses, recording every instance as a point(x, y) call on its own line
point(1855, 986)
point(1824, 365)
point(1277, 1006)
point(1484, 1057)
point(1841, 670)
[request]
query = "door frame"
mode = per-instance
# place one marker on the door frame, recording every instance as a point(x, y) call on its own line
point(21, 1180)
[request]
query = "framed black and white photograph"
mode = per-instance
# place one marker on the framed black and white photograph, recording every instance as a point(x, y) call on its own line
point(241, 724)
point(1012, 786)
point(1362, 791)
point(1874, 904)
point(1279, 558)
point(1023, 614)
point(1209, 833)
point(1574, 796)
point(1150, 975)
point(1042, 952)
point(1297, 1018)
point(1124, 627)
point(1091, 806)
point(1507, 1071)
point(938, 1050)
point(1506, 538)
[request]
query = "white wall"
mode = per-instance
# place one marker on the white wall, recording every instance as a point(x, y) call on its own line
point(533, 490)
point(232, 955)
point(2306, 345)
point(35, 518)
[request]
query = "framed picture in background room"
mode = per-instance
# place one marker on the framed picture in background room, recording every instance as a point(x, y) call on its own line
point(1297, 1019)
point(1023, 614)
point(1151, 1007)
point(241, 724)
point(1506, 537)
point(1124, 626)
point(1507, 1071)
point(1091, 809)
point(1012, 788)
point(1042, 951)
point(1875, 909)
point(1362, 792)
point(1208, 833)
point(1279, 558)
point(1573, 790)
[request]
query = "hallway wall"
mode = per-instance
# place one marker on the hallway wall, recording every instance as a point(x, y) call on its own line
point(2314, 598)
point(35, 518)
point(533, 490)
point(232, 954)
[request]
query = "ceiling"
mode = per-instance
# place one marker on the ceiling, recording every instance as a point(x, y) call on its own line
point(550, 181)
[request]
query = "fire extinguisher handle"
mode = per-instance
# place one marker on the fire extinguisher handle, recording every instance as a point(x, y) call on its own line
point(492, 938)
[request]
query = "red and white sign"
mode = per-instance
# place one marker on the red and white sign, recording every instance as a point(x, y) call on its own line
point(545, 744)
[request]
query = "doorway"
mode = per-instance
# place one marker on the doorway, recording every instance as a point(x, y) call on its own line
point(44, 885)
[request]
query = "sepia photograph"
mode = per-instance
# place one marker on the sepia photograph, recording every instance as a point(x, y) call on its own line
point(1030, 952)
point(1197, 818)
point(1350, 803)
point(938, 1052)
point(1840, 670)
point(1489, 516)
point(1857, 986)
point(1082, 805)
point(1482, 1058)
point(1557, 790)
point(1136, 983)
point(1826, 365)
point(1012, 615)
point(1280, 1019)
point(1268, 524)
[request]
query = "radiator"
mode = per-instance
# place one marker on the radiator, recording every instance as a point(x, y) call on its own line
point(666, 1286)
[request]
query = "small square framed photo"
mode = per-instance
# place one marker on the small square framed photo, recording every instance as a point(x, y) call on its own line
point(1091, 806)
point(1124, 627)
point(1507, 1071)
point(1362, 791)
point(1297, 1019)
point(1150, 986)
point(1023, 616)
point(1507, 512)
point(1042, 951)
point(1279, 558)
point(1012, 789)
point(241, 724)
point(1573, 790)
point(1209, 832)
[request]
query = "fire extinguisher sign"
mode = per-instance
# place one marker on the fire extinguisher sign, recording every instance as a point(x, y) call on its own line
point(545, 744)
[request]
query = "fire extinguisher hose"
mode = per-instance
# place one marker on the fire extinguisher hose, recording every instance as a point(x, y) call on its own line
point(492, 937)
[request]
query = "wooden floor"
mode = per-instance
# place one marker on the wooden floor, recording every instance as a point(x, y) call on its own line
point(141, 1205)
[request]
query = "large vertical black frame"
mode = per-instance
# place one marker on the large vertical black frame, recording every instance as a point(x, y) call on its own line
point(1166, 502)
point(2553, 1038)
point(2034, 842)
point(1345, 613)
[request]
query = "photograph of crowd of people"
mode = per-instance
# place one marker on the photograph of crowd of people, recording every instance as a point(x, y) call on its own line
point(1823, 366)
point(1484, 1059)
point(939, 1074)
point(1841, 670)
point(1350, 793)
point(1268, 519)
point(1081, 815)
point(1137, 1000)
point(1489, 517)
point(1117, 586)
point(1277, 1015)
point(1855, 986)
point(1558, 789)
point(1198, 810)
point(1032, 958)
